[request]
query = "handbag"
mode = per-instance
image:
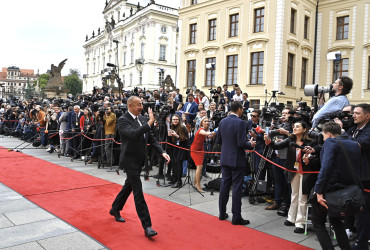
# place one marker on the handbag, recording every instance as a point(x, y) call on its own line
point(348, 201)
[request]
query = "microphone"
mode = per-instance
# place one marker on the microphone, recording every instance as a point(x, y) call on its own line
point(259, 130)
point(293, 144)
point(111, 65)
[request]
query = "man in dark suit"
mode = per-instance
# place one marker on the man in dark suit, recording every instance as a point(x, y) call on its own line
point(190, 108)
point(75, 126)
point(135, 134)
point(334, 174)
point(227, 93)
point(178, 96)
point(232, 134)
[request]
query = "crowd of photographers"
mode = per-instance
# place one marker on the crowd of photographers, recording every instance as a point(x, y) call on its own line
point(288, 136)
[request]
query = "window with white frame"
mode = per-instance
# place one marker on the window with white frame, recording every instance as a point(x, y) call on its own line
point(162, 52)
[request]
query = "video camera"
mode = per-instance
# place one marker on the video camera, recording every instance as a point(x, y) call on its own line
point(344, 116)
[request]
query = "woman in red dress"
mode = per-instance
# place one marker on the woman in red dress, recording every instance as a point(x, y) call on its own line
point(197, 149)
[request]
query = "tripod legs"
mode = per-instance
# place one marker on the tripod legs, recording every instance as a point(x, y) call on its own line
point(187, 181)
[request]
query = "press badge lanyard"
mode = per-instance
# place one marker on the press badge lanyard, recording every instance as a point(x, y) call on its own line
point(297, 164)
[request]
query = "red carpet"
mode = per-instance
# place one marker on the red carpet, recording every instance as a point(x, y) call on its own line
point(84, 202)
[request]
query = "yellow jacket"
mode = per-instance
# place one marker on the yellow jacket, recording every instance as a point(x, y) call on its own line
point(110, 124)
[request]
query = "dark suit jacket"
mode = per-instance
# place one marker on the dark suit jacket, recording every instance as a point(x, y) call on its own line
point(363, 138)
point(232, 135)
point(134, 141)
point(335, 172)
point(75, 120)
point(179, 96)
point(245, 105)
point(228, 94)
point(193, 110)
point(308, 179)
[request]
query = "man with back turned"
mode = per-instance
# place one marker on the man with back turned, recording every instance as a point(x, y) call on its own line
point(232, 135)
point(135, 135)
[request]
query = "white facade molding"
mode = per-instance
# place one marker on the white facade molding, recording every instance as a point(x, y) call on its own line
point(280, 14)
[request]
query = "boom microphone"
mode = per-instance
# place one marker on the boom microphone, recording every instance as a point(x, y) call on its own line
point(111, 65)
point(293, 144)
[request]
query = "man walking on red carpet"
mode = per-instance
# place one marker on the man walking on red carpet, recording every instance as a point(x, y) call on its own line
point(135, 135)
point(232, 135)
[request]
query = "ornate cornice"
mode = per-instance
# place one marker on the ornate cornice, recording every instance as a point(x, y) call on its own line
point(211, 47)
point(293, 41)
point(341, 47)
point(258, 40)
point(191, 50)
point(307, 47)
point(232, 44)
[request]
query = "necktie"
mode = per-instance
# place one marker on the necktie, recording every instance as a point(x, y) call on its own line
point(138, 121)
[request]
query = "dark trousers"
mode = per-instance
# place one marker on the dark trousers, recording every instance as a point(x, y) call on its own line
point(363, 225)
point(281, 182)
point(319, 214)
point(133, 184)
point(76, 143)
point(231, 176)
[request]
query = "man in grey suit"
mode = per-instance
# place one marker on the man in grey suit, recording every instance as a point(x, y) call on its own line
point(135, 135)
point(232, 135)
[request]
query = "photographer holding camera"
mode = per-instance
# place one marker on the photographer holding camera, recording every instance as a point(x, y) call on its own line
point(341, 87)
point(110, 131)
point(40, 118)
point(280, 157)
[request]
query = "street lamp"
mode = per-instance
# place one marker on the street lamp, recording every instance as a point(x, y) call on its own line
point(161, 76)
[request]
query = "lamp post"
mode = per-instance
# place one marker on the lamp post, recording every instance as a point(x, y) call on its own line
point(117, 63)
point(161, 76)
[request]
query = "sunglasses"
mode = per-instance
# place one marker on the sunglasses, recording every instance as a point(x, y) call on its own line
point(254, 116)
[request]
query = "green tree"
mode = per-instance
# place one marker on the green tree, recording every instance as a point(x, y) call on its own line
point(29, 91)
point(44, 78)
point(73, 82)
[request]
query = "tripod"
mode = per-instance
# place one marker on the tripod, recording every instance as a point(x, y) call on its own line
point(187, 181)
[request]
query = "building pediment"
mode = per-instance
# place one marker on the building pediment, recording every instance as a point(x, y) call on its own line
point(163, 38)
point(257, 40)
point(191, 51)
point(110, 5)
point(293, 42)
point(212, 47)
point(341, 47)
point(307, 48)
point(232, 44)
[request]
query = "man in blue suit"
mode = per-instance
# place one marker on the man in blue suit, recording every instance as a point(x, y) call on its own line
point(190, 108)
point(232, 135)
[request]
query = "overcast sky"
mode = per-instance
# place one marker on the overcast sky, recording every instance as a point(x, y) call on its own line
point(38, 33)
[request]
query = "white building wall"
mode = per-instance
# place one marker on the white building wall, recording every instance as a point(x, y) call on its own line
point(152, 17)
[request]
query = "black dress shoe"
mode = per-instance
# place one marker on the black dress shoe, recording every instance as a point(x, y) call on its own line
point(149, 232)
point(223, 217)
point(116, 215)
point(240, 222)
point(282, 211)
point(299, 230)
point(288, 223)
